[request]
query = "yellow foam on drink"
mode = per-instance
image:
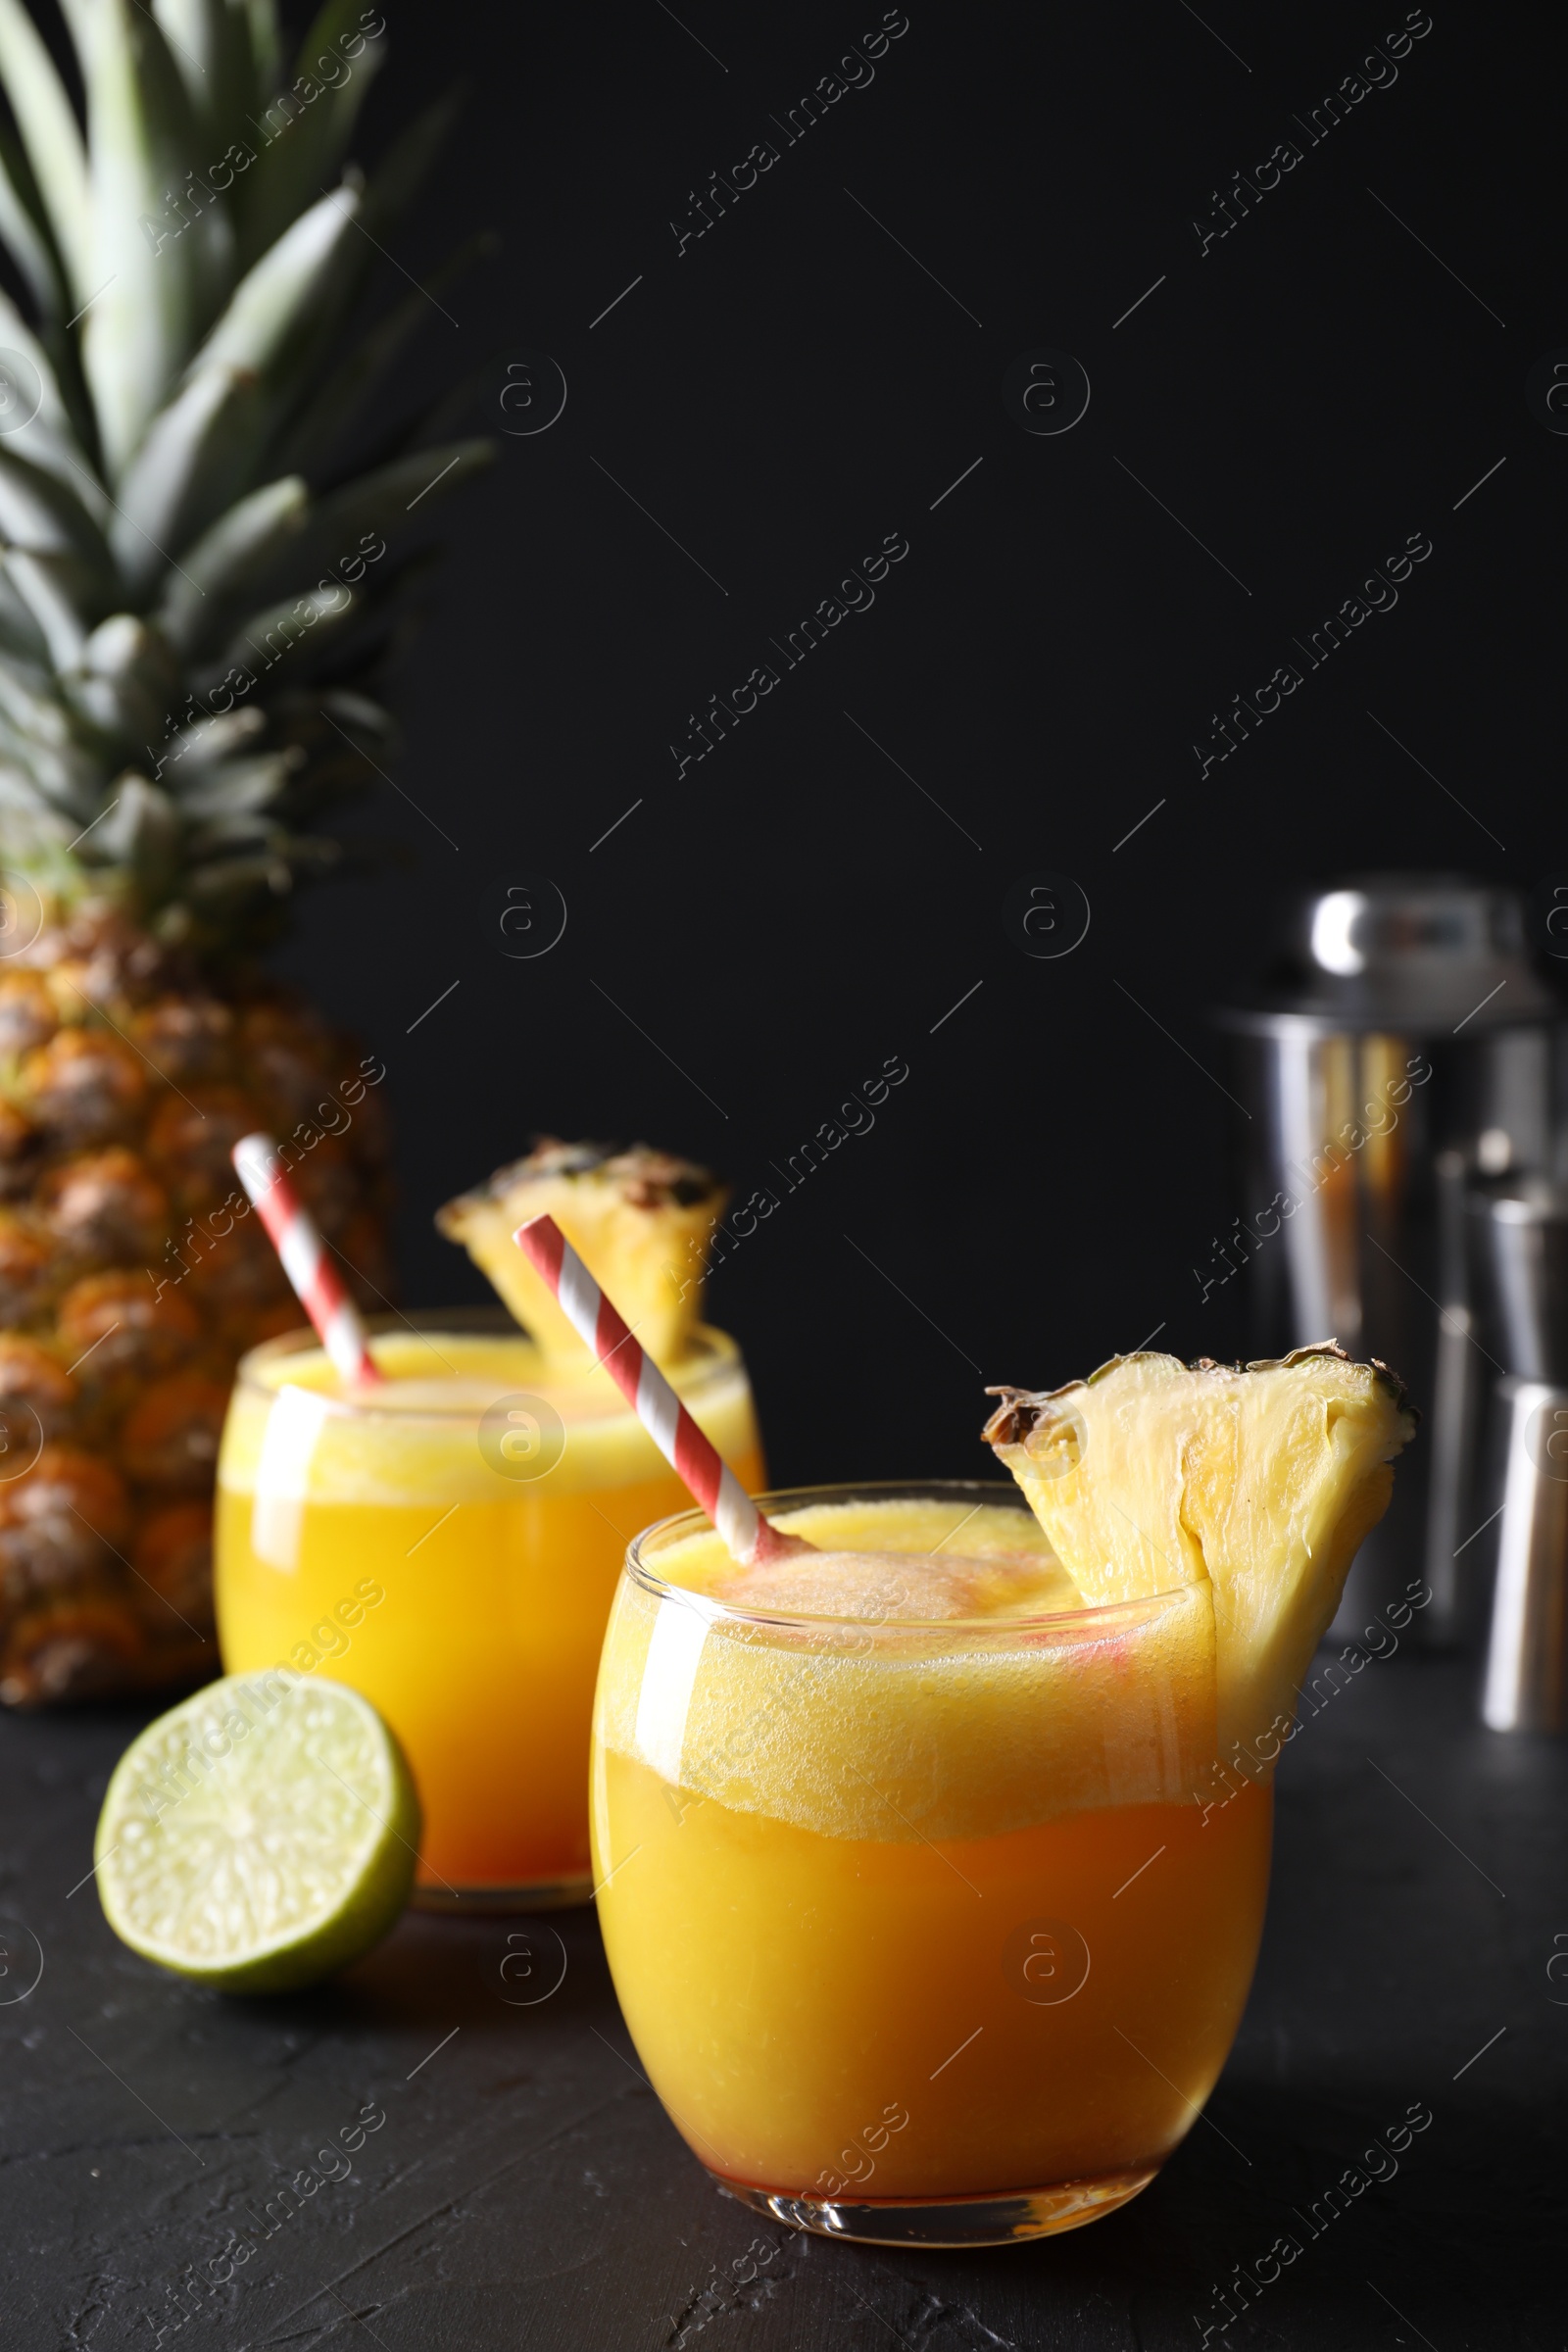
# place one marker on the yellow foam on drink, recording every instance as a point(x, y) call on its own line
point(437, 1391)
point(894, 1689)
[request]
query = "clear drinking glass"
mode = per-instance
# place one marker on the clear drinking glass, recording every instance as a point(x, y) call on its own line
point(917, 1925)
point(449, 1543)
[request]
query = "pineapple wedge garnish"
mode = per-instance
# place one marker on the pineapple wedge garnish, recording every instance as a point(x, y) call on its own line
point(1153, 1473)
point(641, 1220)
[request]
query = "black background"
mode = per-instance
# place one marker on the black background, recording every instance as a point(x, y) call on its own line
point(789, 389)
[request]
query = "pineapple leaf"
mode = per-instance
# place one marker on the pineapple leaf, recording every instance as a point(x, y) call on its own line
point(44, 430)
point(25, 229)
point(427, 425)
point(266, 44)
point(205, 842)
point(52, 137)
point(21, 638)
point(123, 682)
point(384, 627)
point(155, 282)
point(206, 742)
point(358, 711)
point(194, 459)
point(37, 836)
point(228, 558)
point(210, 41)
point(48, 516)
point(187, 468)
point(287, 630)
point(79, 16)
point(313, 434)
point(226, 887)
point(50, 586)
point(289, 291)
point(241, 786)
point(140, 834)
point(409, 161)
point(382, 502)
point(315, 118)
point(61, 772)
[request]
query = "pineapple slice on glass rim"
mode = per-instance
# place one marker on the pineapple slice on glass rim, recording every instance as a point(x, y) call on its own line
point(641, 1219)
point(1262, 1480)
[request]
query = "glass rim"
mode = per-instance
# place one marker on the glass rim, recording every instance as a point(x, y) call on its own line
point(779, 1499)
point(691, 1377)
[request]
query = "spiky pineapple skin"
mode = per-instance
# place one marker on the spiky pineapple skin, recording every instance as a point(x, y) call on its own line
point(133, 1277)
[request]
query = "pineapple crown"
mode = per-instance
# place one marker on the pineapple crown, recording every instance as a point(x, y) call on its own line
point(191, 598)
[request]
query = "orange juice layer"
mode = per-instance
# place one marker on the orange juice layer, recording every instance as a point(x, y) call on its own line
point(386, 1550)
point(901, 1911)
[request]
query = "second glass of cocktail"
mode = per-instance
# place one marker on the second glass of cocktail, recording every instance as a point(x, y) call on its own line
point(442, 1524)
point(448, 1542)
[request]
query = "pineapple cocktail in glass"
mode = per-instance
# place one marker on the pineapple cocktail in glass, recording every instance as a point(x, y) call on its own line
point(448, 1541)
point(913, 1918)
point(932, 1860)
point(448, 1544)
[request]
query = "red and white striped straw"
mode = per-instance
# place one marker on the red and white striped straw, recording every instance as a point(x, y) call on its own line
point(694, 1457)
point(293, 1234)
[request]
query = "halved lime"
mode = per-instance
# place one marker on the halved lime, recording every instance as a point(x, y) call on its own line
point(260, 1834)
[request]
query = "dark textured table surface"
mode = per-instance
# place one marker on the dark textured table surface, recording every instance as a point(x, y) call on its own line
point(524, 2189)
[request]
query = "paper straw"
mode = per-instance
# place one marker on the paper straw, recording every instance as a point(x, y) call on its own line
point(693, 1458)
point(293, 1235)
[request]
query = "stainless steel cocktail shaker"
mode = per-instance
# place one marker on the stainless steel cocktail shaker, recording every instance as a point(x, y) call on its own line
point(1518, 1231)
point(1402, 1042)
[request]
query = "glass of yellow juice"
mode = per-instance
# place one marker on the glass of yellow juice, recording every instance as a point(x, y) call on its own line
point(916, 1926)
point(448, 1542)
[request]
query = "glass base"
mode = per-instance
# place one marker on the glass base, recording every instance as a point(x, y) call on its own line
point(474, 1902)
point(1000, 2220)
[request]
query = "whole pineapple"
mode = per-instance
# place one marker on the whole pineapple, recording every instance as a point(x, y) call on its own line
point(192, 602)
